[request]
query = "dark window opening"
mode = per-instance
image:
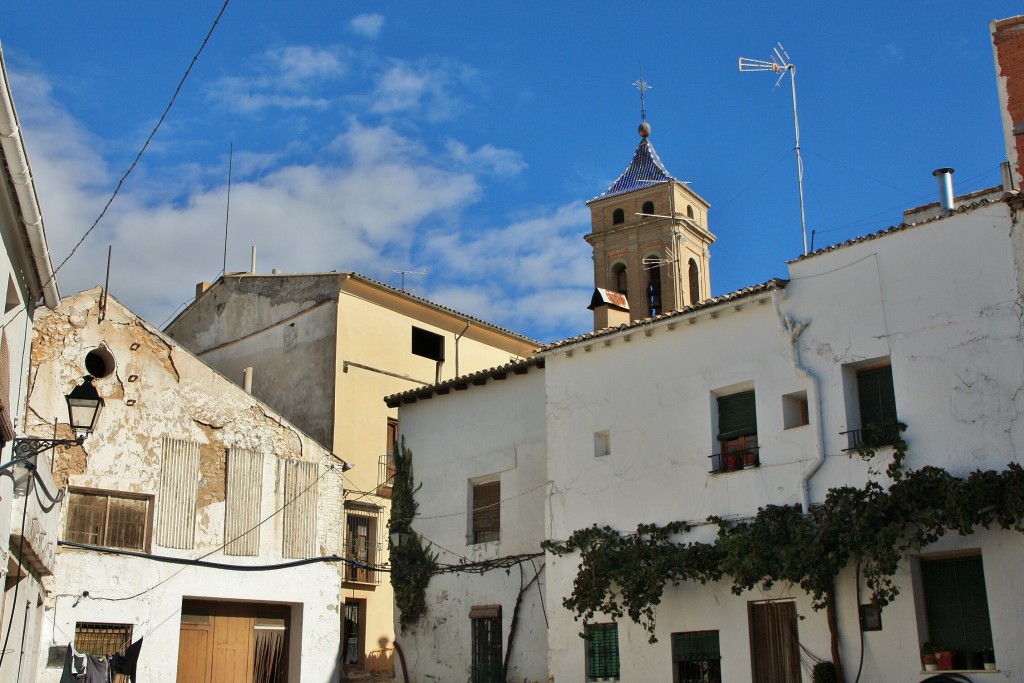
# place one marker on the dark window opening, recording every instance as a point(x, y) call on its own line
point(696, 657)
point(486, 512)
point(486, 645)
point(694, 283)
point(602, 651)
point(689, 211)
point(618, 216)
point(654, 306)
point(427, 344)
point(648, 208)
point(619, 278)
point(737, 433)
point(877, 401)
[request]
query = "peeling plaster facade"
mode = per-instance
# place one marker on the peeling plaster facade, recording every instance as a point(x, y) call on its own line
point(324, 349)
point(951, 329)
point(171, 425)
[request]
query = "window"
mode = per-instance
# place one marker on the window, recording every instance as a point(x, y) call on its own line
point(737, 432)
point(102, 639)
point(427, 344)
point(386, 462)
point(618, 216)
point(876, 399)
point(362, 546)
point(602, 651)
point(486, 645)
point(111, 520)
point(696, 657)
point(956, 605)
point(794, 410)
point(694, 283)
point(602, 443)
point(648, 208)
point(486, 512)
point(619, 278)
point(354, 631)
point(774, 641)
point(689, 211)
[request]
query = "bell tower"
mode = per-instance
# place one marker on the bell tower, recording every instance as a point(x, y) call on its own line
point(650, 240)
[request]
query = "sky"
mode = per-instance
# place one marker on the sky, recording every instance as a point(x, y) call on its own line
point(464, 139)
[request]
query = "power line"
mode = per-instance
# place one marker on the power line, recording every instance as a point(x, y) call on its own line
point(145, 145)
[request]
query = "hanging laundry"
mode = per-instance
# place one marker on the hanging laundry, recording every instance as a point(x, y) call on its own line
point(75, 665)
point(97, 671)
point(127, 663)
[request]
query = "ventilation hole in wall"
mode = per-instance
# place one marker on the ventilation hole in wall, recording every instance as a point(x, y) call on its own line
point(99, 362)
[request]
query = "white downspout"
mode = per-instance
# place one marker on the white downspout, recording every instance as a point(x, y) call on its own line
point(793, 330)
point(21, 175)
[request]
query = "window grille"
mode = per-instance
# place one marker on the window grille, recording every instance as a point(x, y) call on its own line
point(602, 651)
point(102, 639)
point(486, 645)
point(363, 545)
point(696, 657)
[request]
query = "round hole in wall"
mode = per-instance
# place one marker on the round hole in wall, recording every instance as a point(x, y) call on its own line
point(99, 362)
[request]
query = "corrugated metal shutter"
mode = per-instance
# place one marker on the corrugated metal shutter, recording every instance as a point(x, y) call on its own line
point(300, 496)
point(736, 415)
point(176, 503)
point(242, 510)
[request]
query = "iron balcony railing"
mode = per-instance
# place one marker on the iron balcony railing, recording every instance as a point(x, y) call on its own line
point(873, 435)
point(733, 459)
point(385, 475)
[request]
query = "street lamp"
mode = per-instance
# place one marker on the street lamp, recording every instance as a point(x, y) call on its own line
point(84, 404)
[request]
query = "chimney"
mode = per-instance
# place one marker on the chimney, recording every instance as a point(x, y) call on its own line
point(201, 287)
point(611, 309)
point(945, 176)
point(247, 379)
point(1008, 50)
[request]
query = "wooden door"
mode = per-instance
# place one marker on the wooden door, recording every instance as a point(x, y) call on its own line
point(195, 647)
point(774, 642)
point(232, 643)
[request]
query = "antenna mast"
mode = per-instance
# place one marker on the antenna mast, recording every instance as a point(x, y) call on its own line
point(408, 272)
point(781, 65)
point(227, 212)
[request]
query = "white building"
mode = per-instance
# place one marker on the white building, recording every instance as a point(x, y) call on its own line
point(27, 553)
point(193, 516)
point(751, 399)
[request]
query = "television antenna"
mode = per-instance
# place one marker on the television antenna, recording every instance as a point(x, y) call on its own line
point(408, 272)
point(652, 262)
point(781, 65)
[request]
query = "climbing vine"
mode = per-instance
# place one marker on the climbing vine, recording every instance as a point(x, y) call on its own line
point(412, 564)
point(625, 574)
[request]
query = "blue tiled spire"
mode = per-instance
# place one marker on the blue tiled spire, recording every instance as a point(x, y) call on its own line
point(645, 170)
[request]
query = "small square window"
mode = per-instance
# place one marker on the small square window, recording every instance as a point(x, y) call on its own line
point(602, 443)
point(794, 410)
point(427, 344)
point(110, 520)
point(602, 651)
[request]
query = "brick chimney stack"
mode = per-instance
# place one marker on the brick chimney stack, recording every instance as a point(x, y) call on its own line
point(1008, 48)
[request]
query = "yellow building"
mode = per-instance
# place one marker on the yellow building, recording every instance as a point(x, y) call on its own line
point(324, 349)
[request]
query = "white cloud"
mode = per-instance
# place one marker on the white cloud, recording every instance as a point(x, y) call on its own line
point(366, 25)
point(487, 159)
point(282, 78)
point(424, 88)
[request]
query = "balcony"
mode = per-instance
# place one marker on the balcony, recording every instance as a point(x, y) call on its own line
point(873, 436)
point(734, 458)
point(385, 475)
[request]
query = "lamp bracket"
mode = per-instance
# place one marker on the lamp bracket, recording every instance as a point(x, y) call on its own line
point(29, 446)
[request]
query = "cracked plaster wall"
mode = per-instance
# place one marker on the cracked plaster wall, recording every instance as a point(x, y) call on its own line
point(175, 395)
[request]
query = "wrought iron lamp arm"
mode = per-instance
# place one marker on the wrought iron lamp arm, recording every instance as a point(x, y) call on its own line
point(26, 448)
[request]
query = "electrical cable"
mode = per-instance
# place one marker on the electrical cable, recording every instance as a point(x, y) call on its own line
point(210, 565)
point(17, 585)
point(145, 145)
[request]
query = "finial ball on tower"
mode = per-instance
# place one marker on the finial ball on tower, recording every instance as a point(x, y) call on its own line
point(644, 129)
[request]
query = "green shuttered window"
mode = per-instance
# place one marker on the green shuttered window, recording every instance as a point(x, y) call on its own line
point(736, 415)
point(956, 603)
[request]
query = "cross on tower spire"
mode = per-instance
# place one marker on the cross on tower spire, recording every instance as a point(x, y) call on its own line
point(643, 86)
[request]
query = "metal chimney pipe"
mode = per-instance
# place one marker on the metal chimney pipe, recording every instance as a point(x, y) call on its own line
point(252, 268)
point(945, 177)
point(247, 380)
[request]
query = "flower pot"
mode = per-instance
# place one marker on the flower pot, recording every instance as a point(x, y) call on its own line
point(931, 666)
point(990, 666)
point(945, 659)
point(731, 462)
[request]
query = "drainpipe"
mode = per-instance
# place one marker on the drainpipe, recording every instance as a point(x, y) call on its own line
point(21, 175)
point(459, 336)
point(793, 330)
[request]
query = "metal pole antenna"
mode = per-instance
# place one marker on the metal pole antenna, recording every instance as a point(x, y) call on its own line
point(780, 63)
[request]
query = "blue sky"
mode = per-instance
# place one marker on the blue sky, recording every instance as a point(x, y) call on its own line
point(465, 138)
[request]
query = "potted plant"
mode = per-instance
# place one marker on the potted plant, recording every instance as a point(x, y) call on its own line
point(988, 658)
point(928, 660)
point(944, 657)
point(824, 672)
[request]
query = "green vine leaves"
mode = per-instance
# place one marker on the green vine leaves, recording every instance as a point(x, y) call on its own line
point(625, 574)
